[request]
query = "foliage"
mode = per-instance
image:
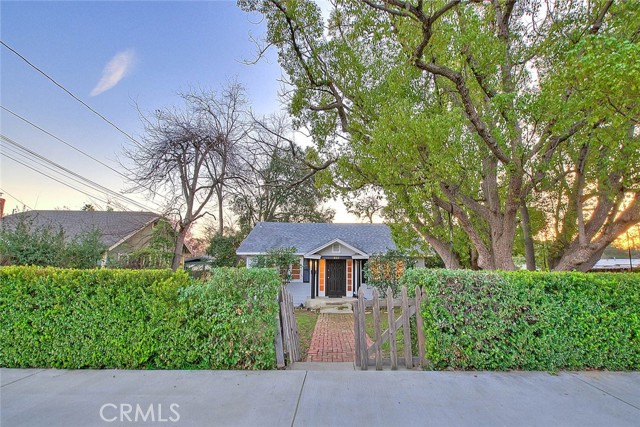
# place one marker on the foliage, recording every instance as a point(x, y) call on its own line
point(281, 259)
point(385, 270)
point(496, 118)
point(25, 244)
point(53, 318)
point(223, 249)
point(279, 187)
point(530, 320)
point(84, 250)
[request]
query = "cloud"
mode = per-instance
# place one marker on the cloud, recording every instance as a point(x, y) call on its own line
point(114, 71)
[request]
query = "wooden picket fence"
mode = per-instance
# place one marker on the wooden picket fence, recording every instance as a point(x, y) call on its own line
point(287, 344)
point(372, 355)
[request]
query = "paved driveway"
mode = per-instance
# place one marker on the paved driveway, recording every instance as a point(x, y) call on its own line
point(85, 398)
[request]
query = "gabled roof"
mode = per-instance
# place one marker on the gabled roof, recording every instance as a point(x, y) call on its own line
point(114, 226)
point(306, 237)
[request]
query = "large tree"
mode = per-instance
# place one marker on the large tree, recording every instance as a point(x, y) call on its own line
point(279, 184)
point(480, 111)
point(192, 155)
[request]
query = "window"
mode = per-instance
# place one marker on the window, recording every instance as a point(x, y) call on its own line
point(295, 271)
point(335, 248)
point(305, 271)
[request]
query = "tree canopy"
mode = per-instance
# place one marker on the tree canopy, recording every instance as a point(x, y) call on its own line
point(480, 121)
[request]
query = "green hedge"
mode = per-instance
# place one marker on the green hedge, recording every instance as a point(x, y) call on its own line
point(149, 319)
point(530, 320)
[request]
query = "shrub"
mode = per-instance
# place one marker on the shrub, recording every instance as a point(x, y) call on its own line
point(53, 318)
point(530, 320)
point(26, 244)
point(280, 259)
point(385, 270)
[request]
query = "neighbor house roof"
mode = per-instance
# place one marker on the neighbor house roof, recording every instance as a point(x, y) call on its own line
point(305, 237)
point(114, 226)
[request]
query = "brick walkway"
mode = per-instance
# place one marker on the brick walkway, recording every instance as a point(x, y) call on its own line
point(333, 339)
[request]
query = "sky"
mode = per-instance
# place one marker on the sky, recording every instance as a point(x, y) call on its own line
point(115, 56)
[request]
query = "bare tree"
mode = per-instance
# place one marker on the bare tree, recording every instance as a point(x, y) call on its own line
point(191, 154)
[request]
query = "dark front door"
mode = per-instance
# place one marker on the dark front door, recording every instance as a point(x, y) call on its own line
point(336, 278)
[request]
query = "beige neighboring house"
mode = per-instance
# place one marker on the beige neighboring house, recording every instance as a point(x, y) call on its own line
point(120, 231)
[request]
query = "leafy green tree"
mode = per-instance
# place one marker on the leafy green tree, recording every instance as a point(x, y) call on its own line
point(223, 249)
point(280, 259)
point(471, 114)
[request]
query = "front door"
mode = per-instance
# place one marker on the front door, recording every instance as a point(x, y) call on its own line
point(336, 278)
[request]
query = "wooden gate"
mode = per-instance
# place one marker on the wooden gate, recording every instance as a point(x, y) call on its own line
point(372, 355)
point(287, 344)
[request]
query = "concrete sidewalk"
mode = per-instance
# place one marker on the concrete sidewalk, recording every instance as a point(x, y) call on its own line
point(84, 398)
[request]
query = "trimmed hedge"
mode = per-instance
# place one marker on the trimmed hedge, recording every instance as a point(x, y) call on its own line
point(149, 319)
point(530, 320)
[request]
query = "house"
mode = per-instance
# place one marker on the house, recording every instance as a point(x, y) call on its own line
point(620, 265)
point(121, 232)
point(331, 256)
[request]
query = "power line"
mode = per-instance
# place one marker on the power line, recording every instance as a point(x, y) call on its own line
point(71, 94)
point(92, 184)
point(79, 150)
point(15, 198)
point(48, 167)
point(55, 179)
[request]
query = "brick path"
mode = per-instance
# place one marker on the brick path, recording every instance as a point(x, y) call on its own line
point(333, 339)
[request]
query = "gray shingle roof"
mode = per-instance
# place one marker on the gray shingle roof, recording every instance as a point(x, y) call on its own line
point(113, 225)
point(305, 237)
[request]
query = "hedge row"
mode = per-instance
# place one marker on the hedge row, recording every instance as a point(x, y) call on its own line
point(150, 319)
point(530, 320)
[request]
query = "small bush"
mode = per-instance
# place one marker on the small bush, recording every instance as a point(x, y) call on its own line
point(529, 320)
point(53, 318)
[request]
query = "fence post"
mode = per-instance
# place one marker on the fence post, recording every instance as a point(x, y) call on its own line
point(364, 356)
point(420, 327)
point(393, 351)
point(408, 357)
point(280, 363)
point(378, 333)
point(356, 328)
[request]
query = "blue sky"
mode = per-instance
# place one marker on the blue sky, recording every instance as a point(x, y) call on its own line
point(114, 56)
point(171, 46)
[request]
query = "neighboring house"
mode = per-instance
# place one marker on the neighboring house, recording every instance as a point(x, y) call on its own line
point(614, 265)
point(121, 232)
point(331, 256)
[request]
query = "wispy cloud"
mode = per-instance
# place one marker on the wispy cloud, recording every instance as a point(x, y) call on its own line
point(118, 67)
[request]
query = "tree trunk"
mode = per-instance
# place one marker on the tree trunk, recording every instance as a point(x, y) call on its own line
point(177, 254)
point(529, 253)
point(444, 250)
point(220, 211)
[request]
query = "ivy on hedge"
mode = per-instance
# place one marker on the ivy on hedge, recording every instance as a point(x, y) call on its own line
point(149, 319)
point(530, 320)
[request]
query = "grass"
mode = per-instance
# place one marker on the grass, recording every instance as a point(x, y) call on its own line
point(384, 325)
point(306, 321)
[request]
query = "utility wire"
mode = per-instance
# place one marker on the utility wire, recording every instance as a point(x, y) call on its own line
point(55, 179)
point(92, 184)
point(14, 151)
point(15, 198)
point(71, 94)
point(18, 116)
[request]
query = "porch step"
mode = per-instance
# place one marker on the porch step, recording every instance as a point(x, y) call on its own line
point(337, 309)
point(323, 302)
